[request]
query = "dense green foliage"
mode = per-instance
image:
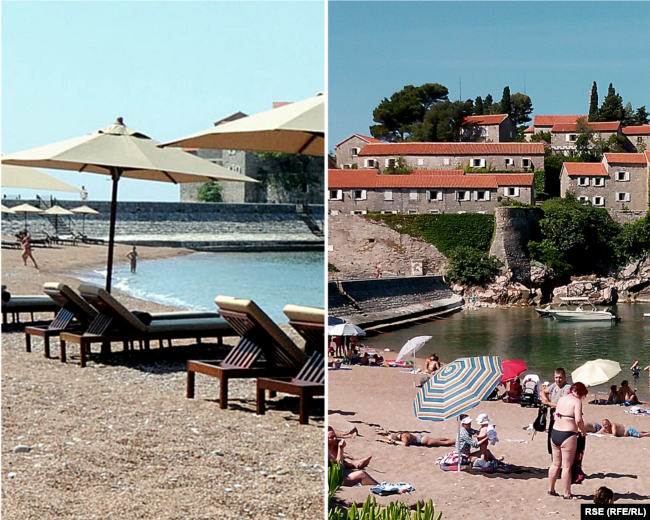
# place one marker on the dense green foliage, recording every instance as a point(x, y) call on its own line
point(331, 268)
point(472, 267)
point(210, 192)
point(425, 113)
point(541, 136)
point(291, 172)
point(334, 478)
point(540, 185)
point(399, 167)
point(613, 109)
point(445, 231)
point(393, 511)
point(581, 239)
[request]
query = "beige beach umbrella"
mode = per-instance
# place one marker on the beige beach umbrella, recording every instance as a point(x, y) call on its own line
point(84, 210)
point(33, 179)
point(25, 209)
point(56, 211)
point(293, 128)
point(120, 152)
point(595, 372)
point(5, 209)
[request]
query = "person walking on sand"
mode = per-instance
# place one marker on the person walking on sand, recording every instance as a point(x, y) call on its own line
point(133, 256)
point(27, 248)
point(551, 395)
point(564, 438)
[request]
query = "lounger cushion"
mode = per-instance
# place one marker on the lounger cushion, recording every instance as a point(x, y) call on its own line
point(64, 294)
point(191, 324)
point(303, 313)
point(99, 296)
point(30, 300)
point(250, 307)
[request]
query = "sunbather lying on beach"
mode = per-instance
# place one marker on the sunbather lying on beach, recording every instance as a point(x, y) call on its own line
point(353, 475)
point(408, 439)
point(620, 430)
point(593, 427)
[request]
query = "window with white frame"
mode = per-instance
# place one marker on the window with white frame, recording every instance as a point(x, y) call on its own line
point(481, 195)
point(420, 162)
point(463, 195)
point(386, 212)
point(358, 212)
point(599, 182)
point(413, 212)
point(622, 197)
point(358, 194)
point(526, 163)
point(445, 161)
point(391, 162)
point(347, 166)
point(478, 163)
point(336, 195)
point(434, 195)
point(388, 194)
point(413, 195)
point(622, 176)
point(334, 212)
point(598, 201)
point(583, 200)
point(511, 192)
point(508, 161)
point(639, 140)
point(583, 181)
point(434, 211)
point(370, 163)
point(354, 151)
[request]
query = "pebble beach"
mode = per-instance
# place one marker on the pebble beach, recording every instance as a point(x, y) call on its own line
point(118, 439)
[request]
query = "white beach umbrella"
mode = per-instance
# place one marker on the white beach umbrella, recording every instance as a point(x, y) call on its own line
point(33, 179)
point(595, 372)
point(5, 209)
point(292, 128)
point(120, 152)
point(84, 210)
point(410, 348)
point(25, 209)
point(56, 211)
point(345, 329)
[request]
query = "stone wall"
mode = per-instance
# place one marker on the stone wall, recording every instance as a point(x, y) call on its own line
point(166, 219)
point(356, 246)
point(514, 228)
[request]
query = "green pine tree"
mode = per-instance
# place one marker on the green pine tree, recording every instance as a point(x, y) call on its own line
point(478, 106)
point(505, 107)
point(593, 103)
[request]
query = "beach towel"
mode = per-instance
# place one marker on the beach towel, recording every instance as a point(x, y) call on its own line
point(637, 410)
point(386, 488)
point(600, 401)
point(577, 475)
point(501, 468)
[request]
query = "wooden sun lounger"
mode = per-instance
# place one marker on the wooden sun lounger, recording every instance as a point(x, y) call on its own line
point(17, 305)
point(72, 306)
point(308, 383)
point(309, 322)
point(263, 350)
point(115, 323)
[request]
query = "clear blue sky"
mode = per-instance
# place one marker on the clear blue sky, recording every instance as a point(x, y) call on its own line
point(169, 68)
point(560, 48)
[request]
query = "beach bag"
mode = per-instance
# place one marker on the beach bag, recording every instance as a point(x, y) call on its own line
point(540, 423)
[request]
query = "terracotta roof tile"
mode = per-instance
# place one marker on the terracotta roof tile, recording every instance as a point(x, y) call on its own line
point(580, 169)
point(636, 130)
point(364, 137)
point(625, 158)
point(485, 119)
point(647, 156)
point(437, 172)
point(369, 179)
point(553, 120)
point(530, 129)
point(452, 149)
point(609, 126)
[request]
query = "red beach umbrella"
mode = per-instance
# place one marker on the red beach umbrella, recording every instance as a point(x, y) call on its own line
point(511, 369)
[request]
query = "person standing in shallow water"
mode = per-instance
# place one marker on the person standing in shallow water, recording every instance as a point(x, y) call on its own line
point(133, 256)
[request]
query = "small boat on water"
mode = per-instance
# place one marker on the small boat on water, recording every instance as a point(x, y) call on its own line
point(584, 310)
point(647, 316)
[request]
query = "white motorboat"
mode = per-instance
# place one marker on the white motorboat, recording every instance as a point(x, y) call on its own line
point(584, 310)
point(647, 316)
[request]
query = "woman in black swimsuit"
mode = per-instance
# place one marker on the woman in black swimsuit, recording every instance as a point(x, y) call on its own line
point(564, 437)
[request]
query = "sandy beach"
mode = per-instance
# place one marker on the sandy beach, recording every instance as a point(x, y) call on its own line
point(375, 399)
point(118, 439)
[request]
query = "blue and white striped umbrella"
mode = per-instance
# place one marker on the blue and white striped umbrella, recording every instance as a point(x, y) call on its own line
point(457, 388)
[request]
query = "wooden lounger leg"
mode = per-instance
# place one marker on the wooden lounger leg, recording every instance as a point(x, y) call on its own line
point(261, 401)
point(190, 384)
point(223, 393)
point(82, 353)
point(304, 408)
point(28, 342)
point(62, 348)
point(46, 345)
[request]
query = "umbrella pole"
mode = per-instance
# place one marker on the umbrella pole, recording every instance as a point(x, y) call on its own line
point(414, 374)
point(457, 443)
point(116, 173)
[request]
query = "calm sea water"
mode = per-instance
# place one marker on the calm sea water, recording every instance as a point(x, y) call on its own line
point(192, 282)
point(542, 343)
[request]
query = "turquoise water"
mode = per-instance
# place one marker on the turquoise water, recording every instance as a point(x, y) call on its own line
point(193, 281)
point(543, 343)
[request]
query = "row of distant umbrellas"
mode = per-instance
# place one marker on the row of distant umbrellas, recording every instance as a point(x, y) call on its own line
point(56, 210)
point(119, 151)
